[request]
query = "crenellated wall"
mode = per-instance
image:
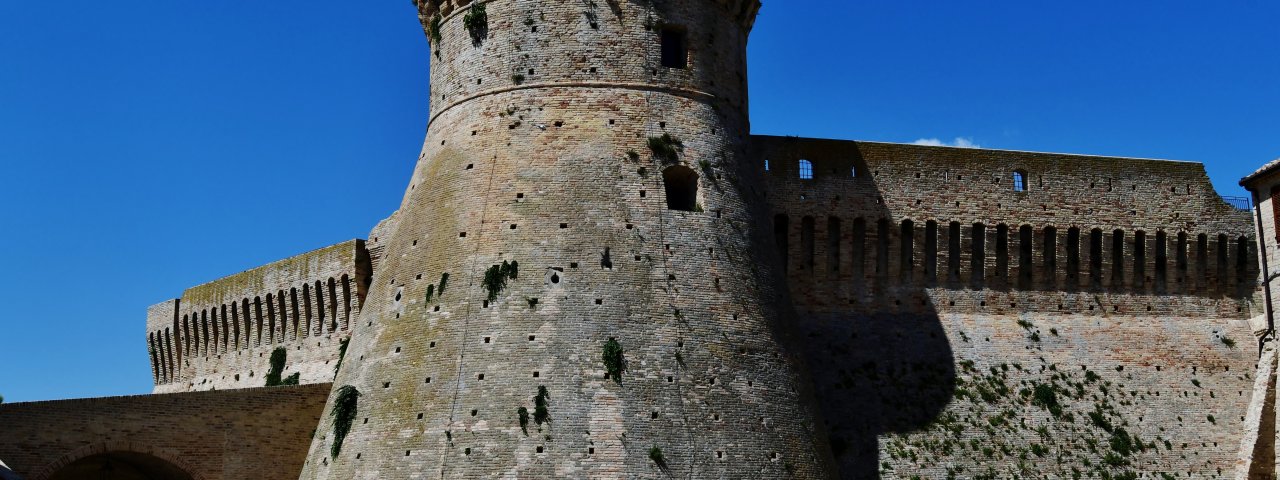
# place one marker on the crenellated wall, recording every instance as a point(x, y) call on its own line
point(939, 302)
point(220, 335)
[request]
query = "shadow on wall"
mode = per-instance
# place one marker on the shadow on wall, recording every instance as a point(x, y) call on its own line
point(119, 466)
point(874, 343)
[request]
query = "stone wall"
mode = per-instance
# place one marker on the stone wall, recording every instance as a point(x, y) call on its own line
point(539, 155)
point(1064, 354)
point(260, 433)
point(220, 335)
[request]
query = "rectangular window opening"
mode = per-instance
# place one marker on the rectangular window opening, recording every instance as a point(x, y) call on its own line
point(675, 50)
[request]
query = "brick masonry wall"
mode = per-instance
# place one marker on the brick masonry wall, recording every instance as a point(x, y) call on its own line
point(235, 434)
point(538, 171)
point(925, 372)
point(220, 335)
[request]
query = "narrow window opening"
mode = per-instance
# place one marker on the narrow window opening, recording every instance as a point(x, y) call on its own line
point(859, 252)
point(1242, 266)
point(781, 227)
point(682, 188)
point(833, 244)
point(806, 170)
point(1117, 259)
point(1050, 256)
point(1162, 262)
point(931, 252)
point(807, 244)
point(1181, 262)
point(1025, 265)
point(675, 51)
point(1095, 259)
point(1002, 253)
point(953, 252)
point(907, 258)
point(1224, 246)
point(1019, 181)
point(1202, 261)
point(978, 256)
point(882, 250)
point(1139, 260)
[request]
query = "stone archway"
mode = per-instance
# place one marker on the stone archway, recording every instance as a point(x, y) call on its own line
point(117, 462)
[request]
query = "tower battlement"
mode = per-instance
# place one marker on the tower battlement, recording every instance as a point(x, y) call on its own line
point(742, 11)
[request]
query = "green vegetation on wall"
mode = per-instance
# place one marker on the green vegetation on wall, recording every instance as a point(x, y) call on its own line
point(477, 21)
point(344, 413)
point(523, 413)
point(666, 148)
point(342, 354)
point(613, 360)
point(278, 358)
point(496, 277)
point(541, 414)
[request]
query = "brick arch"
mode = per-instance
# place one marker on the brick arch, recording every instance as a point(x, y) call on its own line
point(86, 451)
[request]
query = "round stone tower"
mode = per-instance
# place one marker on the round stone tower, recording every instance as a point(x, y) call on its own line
point(578, 282)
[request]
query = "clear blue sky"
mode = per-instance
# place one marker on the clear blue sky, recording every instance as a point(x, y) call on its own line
point(151, 146)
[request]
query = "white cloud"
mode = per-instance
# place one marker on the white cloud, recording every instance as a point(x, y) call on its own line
point(959, 142)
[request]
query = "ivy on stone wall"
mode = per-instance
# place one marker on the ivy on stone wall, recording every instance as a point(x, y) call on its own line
point(614, 363)
point(433, 31)
point(523, 413)
point(342, 353)
point(666, 148)
point(278, 358)
point(477, 22)
point(541, 414)
point(496, 277)
point(344, 413)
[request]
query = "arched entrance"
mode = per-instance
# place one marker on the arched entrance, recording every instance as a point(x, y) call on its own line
point(121, 466)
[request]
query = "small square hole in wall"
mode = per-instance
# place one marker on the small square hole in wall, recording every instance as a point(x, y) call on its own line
point(475, 412)
point(397, 349)
point(513, 226)
point(573, 265)
point(462, 234)
point(473, 133)
point(662, 124)
point(480, 377)
point(486, 304)
point(471, 166)
point(428, 380)
point(386, 384)
point(358, 455)
point(415, 243)
point(642, 194)
point(467, 451)
point(433, 344)
point(519, 195)
point(671, 379)
point(530, 71)
point(653, 415)
point(612, 121)
point(419, 416)
point(533, 337)
point(537, 374)
point(407, 452)
point(559, 124)
point(437, 308)
point(564, 225)
point(419, 276)
point(599, 301)
point(488, 339)
point(591, 451)
point(366, 420)
point(540, 449)
point(719, 454)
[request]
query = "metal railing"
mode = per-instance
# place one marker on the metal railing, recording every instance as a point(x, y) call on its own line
point(1240, 203)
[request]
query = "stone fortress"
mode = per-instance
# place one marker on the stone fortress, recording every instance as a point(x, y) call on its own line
point(597, 272)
